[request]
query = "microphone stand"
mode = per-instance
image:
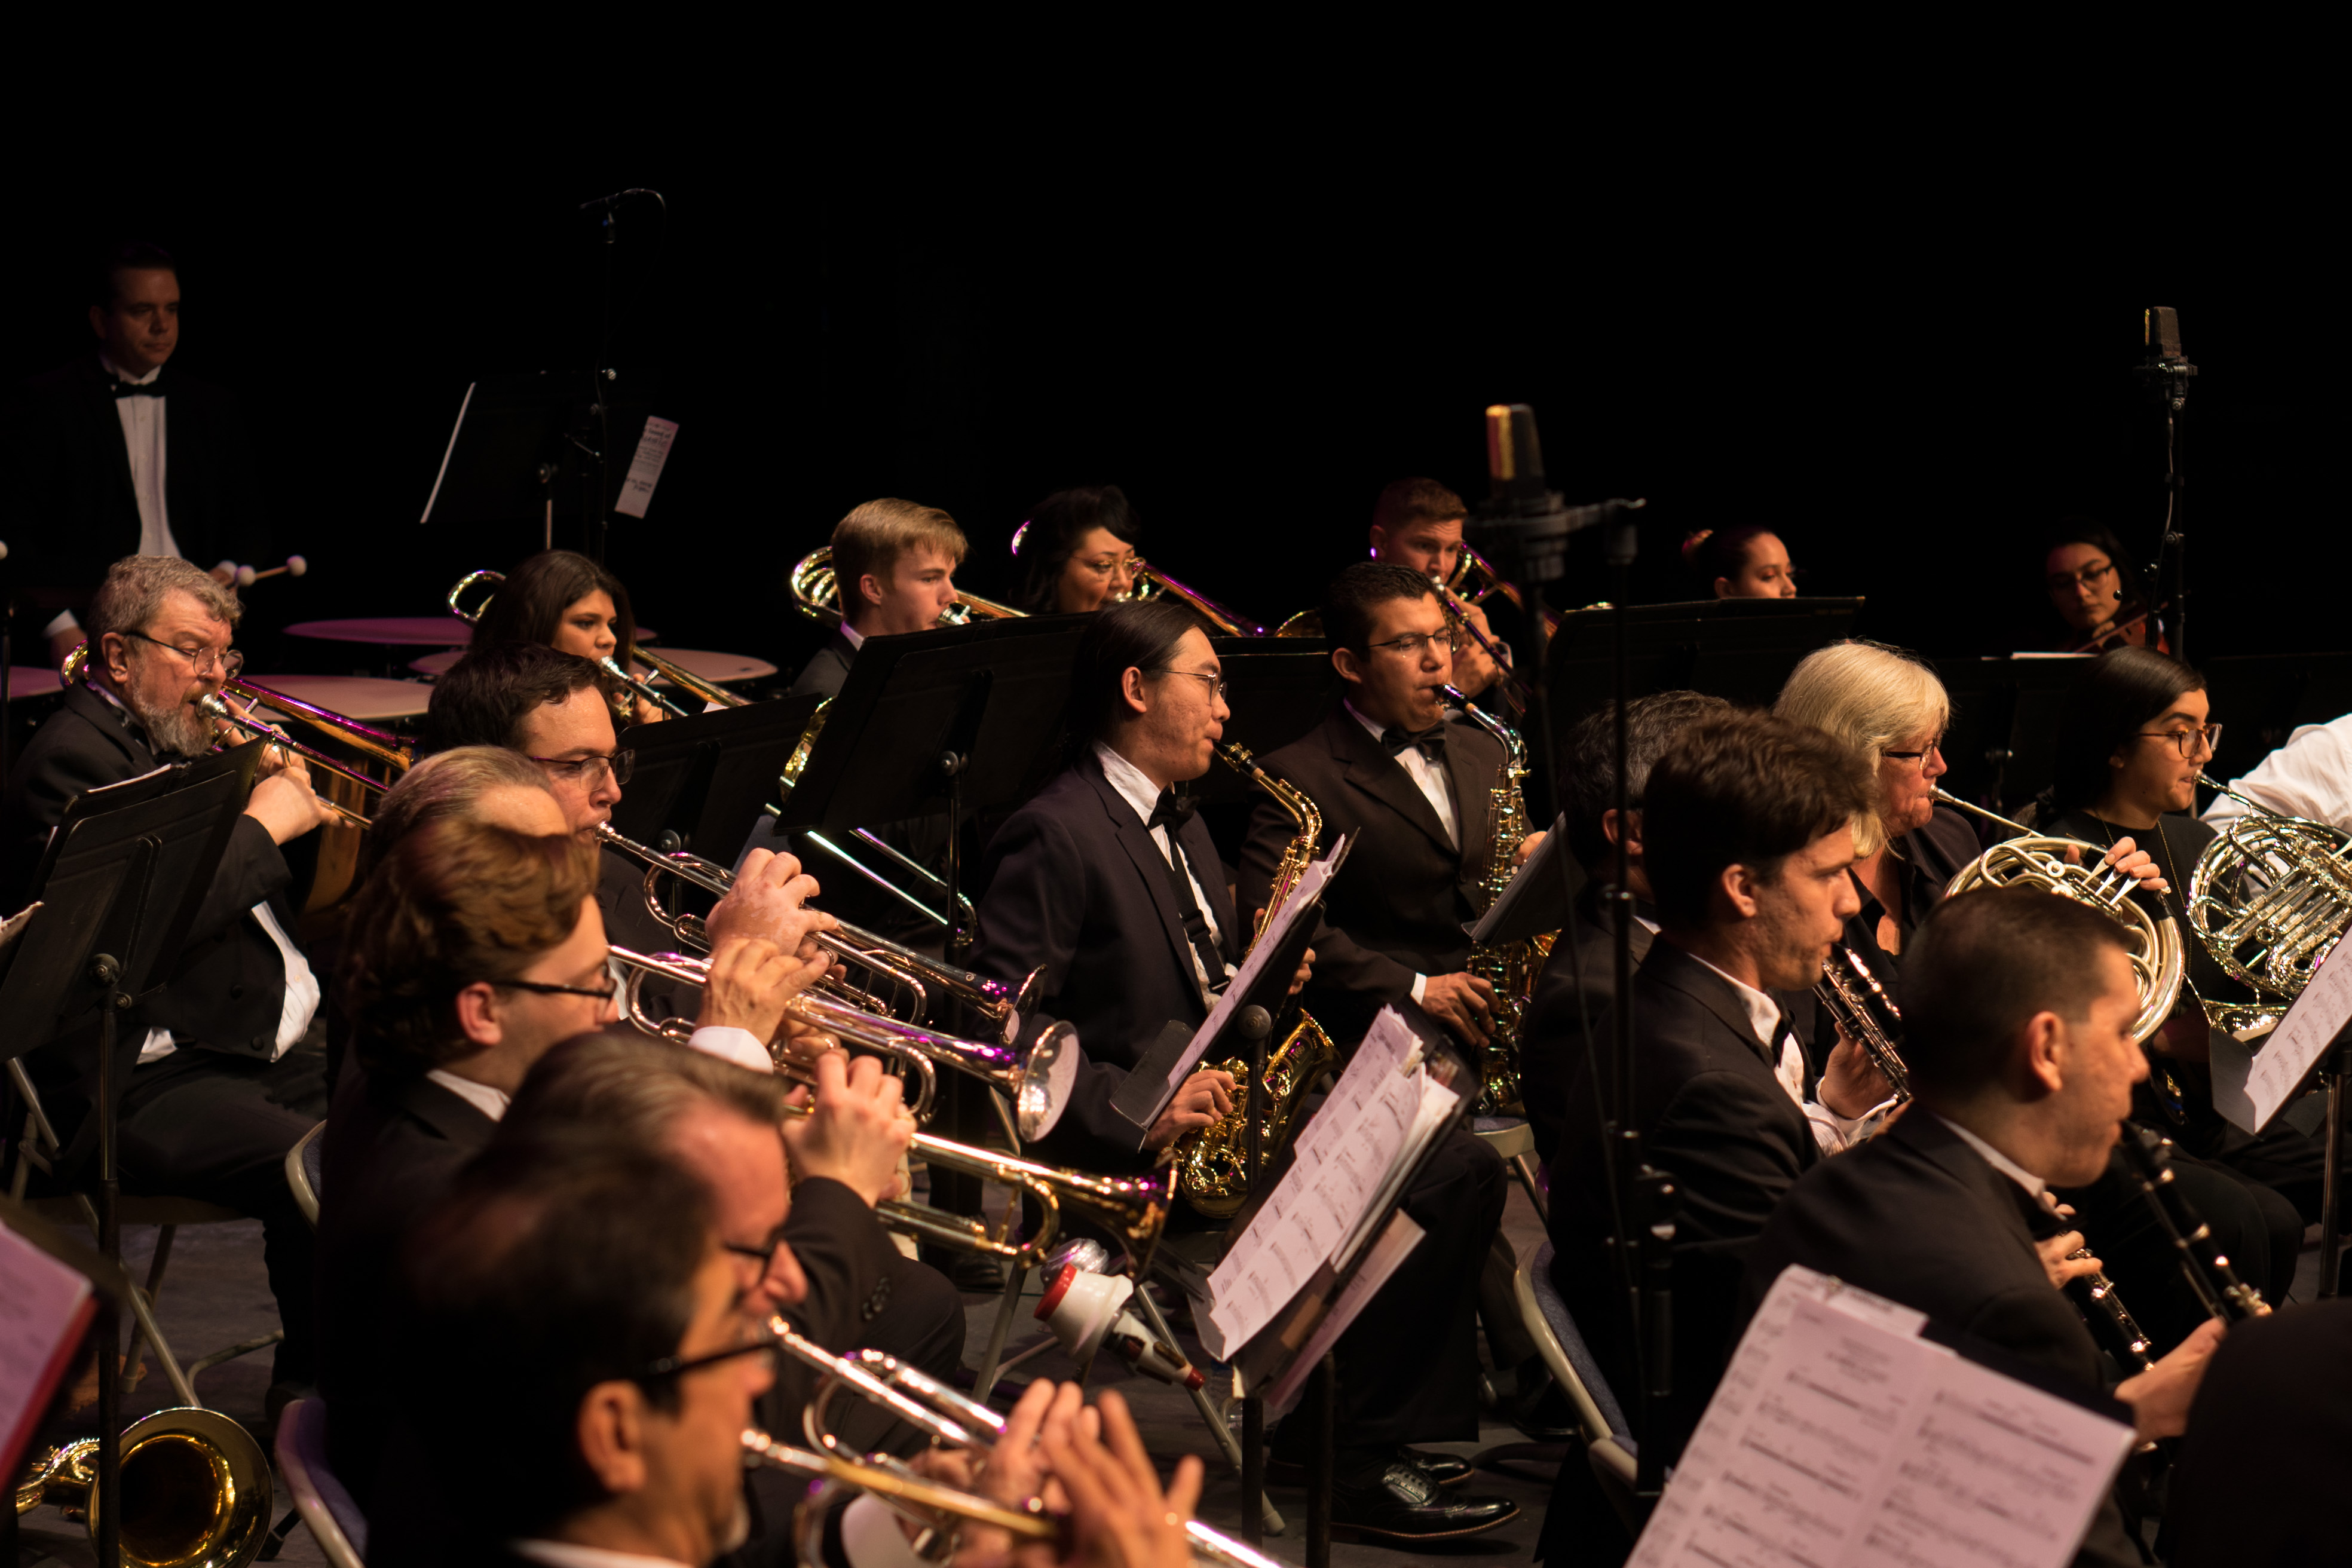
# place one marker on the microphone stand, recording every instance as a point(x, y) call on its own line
point(2167, 372)
point(1523, 531)
point(597, 477)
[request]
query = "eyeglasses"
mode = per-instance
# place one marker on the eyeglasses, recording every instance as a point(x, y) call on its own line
point(1411, 647)
point(2060, 582)
point(2210, 735)
point(1216, 684)
point(679, 1366)
point(764, 1257)
point(1934, 748)
point(203, 661)
point(541, 988)
point(583, 770)
point(1122, 565)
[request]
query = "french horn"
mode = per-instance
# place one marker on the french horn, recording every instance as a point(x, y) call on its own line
point(2269, 900)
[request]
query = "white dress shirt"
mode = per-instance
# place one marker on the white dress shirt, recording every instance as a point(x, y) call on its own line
point(142, 440)
point(1138, 789)
point(1832, 1133)
point(2035, 1187)
point(1429, 777)
point(2311, 777)
point(565, 1554)
point(490, 1102)
point(856, 638)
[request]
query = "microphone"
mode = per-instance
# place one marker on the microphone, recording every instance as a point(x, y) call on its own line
point(1523, 528)
point(606, 204)
point(2166, 369)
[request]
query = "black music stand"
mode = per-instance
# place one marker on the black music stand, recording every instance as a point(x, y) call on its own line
point(1279, 688)
point(1741, 649)
point(2003, 738)
point(704, 780)
point(516, 436)
point(119, 887)
point(956, 719)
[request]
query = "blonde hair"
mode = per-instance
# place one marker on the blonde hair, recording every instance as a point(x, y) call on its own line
point(1867, 697)
point(872, 538)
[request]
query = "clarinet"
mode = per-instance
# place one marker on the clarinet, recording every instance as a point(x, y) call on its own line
point(2122, 1328)
point(1867, 1014)
point(2202, 1263)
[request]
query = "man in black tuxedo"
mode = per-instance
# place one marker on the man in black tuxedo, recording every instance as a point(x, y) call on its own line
point(1107, 879)
point(894, 568)
point(1416, 792)
point(1560, 1015)
point(224, 1069)
point(2273, 1419)
point(2019, 1005)
point(1746, 836)
point(114, 454)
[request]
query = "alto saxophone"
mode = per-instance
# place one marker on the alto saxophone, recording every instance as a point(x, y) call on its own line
point(1213, 1163)
point(1512, 968)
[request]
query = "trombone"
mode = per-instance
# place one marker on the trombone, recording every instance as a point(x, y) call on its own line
point(1150, 583)
point(1002, 1005)
point(1037, 1081)
point(817, 591)
point(948, 1415)
point(668, 669)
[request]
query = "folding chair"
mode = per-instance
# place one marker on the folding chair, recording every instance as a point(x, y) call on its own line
point(1514, 1138)
point(1609, 1443)
point(320, 1499)
point(304, 1163)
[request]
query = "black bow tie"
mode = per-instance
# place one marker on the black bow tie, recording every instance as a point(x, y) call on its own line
point(1430, 740)
point(140, 389)
point(1173, 809)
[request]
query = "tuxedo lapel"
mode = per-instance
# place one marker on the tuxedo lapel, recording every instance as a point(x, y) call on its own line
point(113, 724)
point(1952, 1154)
point(1150, 866)
point(1474, 804)
point(1678, 971)
point(1370, 768)
point(97, 391)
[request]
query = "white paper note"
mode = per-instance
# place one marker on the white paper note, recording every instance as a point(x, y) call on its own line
point(2250, 1083)
point(645, 468)
point(1401, 1237)
point(1838, 1437)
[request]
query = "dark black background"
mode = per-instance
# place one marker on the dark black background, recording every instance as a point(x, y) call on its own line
point(1906, 371)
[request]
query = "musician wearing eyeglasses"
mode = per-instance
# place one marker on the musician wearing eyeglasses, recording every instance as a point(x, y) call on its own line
point(1417, 524)
point(118, 454)
point(1417, 792)
point(2019, 1005)
point(2134, 734)
point(894, 566)
point(1077, 551)
point(2096, 591)
point(1110, 880)
point(224, 1070)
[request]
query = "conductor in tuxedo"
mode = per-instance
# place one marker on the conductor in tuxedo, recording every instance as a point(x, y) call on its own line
point(2019, 1006)
point(1578, 981)
point(115, 454)
point(1107, 880)
point(1747, 832)
point(894, 570)
point(1418, 794)
point(226, 1069)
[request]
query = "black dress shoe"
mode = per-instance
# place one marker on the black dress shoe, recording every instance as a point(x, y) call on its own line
point(1445, 1469)
point(1404, 1505)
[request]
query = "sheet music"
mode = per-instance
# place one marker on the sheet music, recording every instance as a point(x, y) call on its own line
point(2251, 1082)
point(1313, 1213)
point(1278, 922)
point(645, 468)
point(1398, 1239)
point(1840, 1437)
point(44, 1307)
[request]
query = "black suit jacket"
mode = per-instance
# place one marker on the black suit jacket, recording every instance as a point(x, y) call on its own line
point(392, 1146)
point(1398, 907)
point(1919, 1217)
point(2265, 1443)
point(827, 668)
point(1075, 883)
point(1712, 1115)
point(1553, 1035)
point(228, 989)
point(70, 511)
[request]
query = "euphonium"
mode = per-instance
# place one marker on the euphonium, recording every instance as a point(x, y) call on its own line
point(2151, 943)
point(1511, 967)
point(817, 592)
point(195, 1484)
point(1213, 1161)
point(2270, 899)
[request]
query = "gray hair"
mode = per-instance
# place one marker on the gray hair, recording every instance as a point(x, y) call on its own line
point(137, 585)
point(1869, 696)
point(634, 1091)
point(448, 784)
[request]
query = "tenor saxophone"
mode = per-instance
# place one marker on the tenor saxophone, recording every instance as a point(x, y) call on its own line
point(1213, 1164)
point(1512, 968)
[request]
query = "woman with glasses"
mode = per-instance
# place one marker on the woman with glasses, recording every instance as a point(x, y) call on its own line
point(2136, 733)
point(1077, 550)
point(2096, 591)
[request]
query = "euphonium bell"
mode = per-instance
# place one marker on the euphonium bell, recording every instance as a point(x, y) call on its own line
point(195, 1486)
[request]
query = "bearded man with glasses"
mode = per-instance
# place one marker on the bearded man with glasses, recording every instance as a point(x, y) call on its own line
point(227, 1066)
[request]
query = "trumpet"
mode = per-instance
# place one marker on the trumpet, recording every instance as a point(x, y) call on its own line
point(817, 592)
point(951, 1416)
point(2153, 944)
point(929, 1504)
point(676, 674)
point(1037, 1081)
point(2270, 899)
point(195, 1489)
point(1002, 1006)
